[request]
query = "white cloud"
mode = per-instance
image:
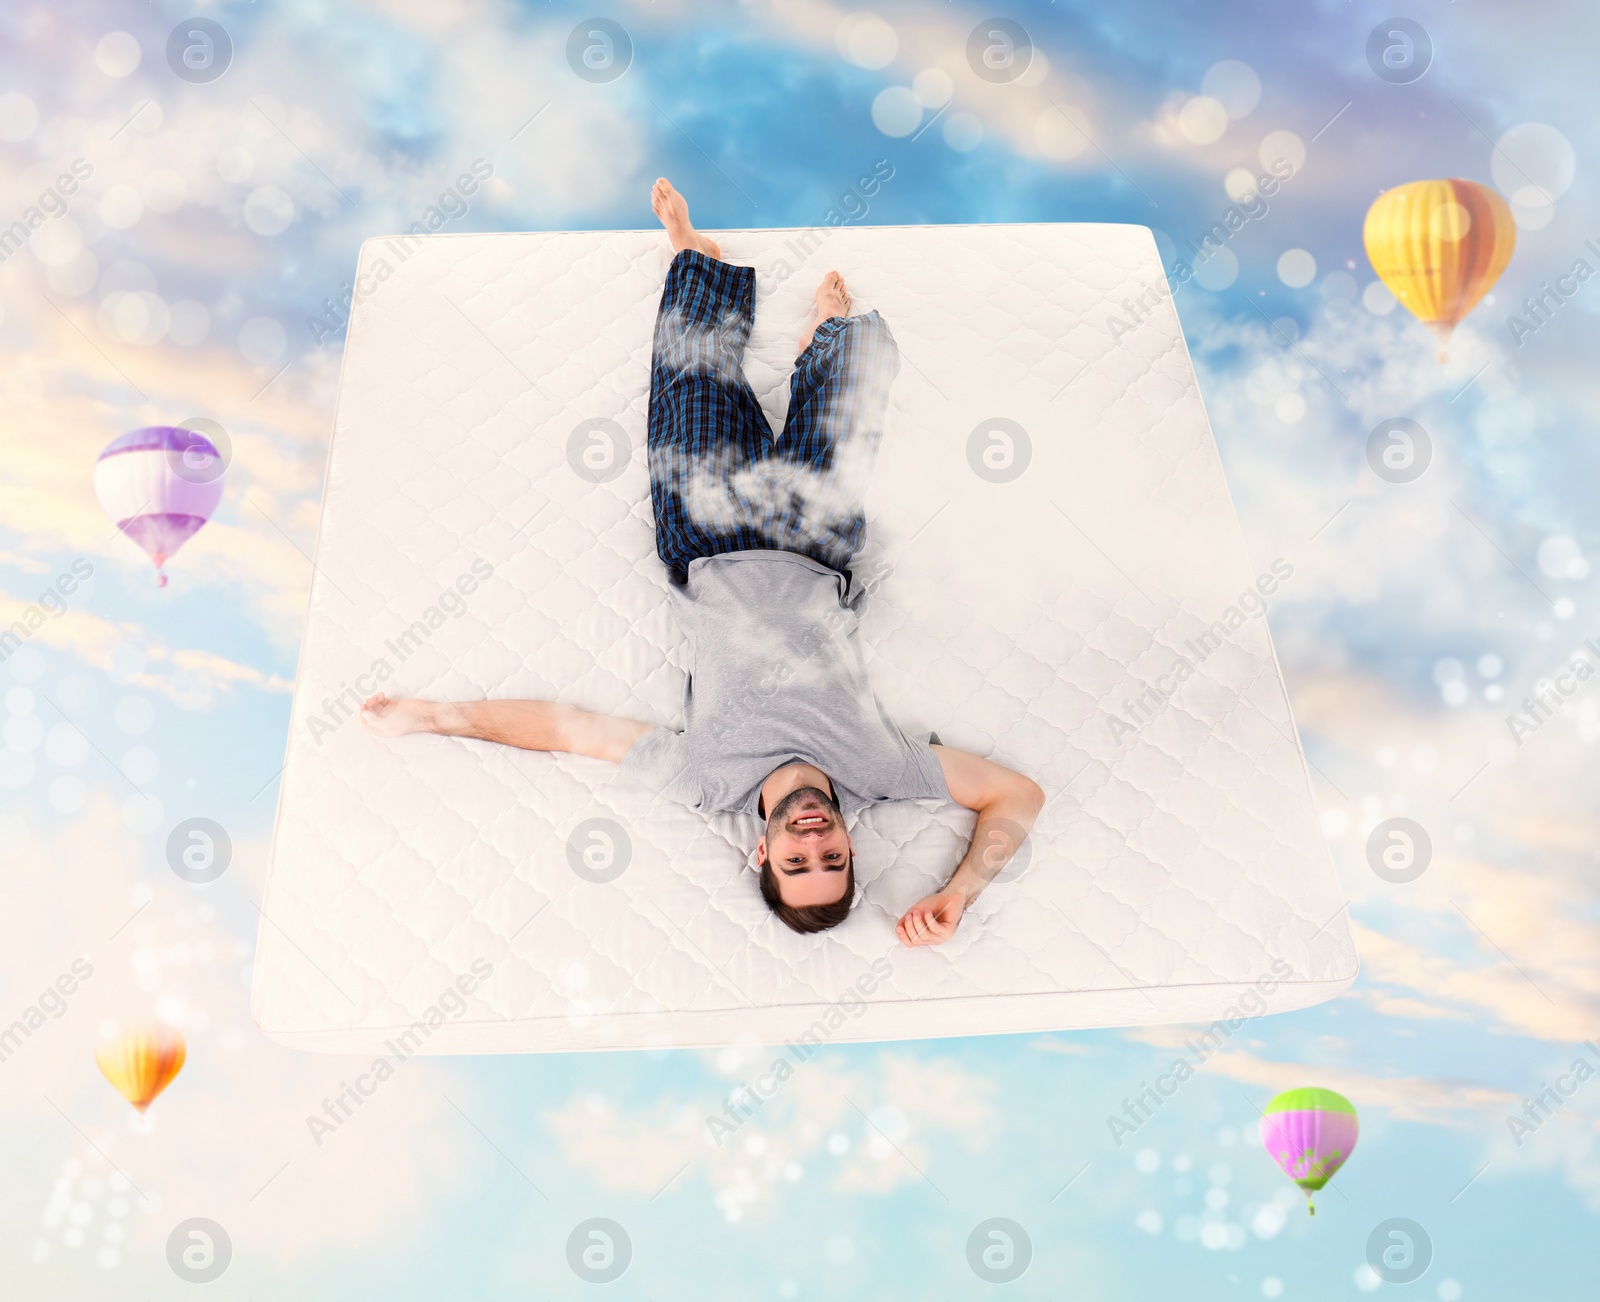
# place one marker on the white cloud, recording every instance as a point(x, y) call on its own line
point(94, 640)
point(1455, 1104)
point(1507, 895)
point(1020, 115)
point(910, 1100)
point(236, 1113)
point(27, 564)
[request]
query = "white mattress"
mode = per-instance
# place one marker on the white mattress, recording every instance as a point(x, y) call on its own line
point(1172, 870)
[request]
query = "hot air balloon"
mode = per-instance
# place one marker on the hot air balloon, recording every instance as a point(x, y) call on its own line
point(141, 1063)
point(159, 485)
point(1309, 1133)
point(1440, 246)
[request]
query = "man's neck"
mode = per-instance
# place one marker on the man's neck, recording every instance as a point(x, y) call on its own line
point(781, 781)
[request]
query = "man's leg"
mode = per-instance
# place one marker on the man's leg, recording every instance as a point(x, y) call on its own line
point(838, 405)
point(705, 424)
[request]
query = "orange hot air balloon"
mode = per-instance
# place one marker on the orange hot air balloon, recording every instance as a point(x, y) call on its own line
point(142, 1062)
point(1440, 246)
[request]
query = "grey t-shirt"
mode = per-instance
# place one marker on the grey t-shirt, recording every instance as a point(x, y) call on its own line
point(776, 675)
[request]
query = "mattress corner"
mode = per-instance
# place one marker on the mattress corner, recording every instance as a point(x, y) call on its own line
point(257, 1015)
point(361, 251)
point(1355, 966)
point(1149, 231)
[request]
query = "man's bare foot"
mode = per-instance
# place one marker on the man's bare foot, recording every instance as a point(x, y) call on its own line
point(833, 299)
point(673, 210)
point(391, 718)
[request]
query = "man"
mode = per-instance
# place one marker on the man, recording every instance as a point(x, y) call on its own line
point(757, 536)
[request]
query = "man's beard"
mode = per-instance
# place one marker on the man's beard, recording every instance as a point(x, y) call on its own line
point(789, 807)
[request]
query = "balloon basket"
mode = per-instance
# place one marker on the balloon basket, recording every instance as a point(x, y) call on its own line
point(1442, 332)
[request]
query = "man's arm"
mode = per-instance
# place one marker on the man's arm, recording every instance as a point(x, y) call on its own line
point(1006, 804)
point(529, 725)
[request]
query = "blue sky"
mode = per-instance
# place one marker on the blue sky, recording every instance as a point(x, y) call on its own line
point(217, 218)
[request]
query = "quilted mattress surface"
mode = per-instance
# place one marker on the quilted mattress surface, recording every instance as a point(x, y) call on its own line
point(1054, 578)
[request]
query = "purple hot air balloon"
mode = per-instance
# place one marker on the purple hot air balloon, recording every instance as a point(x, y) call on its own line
point(159, 484)
point(1309, 1133)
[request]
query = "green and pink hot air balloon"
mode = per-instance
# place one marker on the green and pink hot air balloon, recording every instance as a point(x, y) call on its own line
point(1309, 1133)
point(159, 485)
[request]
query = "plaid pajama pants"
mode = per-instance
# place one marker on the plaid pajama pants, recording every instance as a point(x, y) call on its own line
point(718, 481)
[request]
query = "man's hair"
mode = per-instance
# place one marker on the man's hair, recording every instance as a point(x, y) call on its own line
point(810, 917)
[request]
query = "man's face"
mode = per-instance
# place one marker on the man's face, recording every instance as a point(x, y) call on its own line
point(808, 848)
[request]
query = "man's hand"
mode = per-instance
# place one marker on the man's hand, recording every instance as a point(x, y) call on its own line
point(1006, 804)
point(932, 920)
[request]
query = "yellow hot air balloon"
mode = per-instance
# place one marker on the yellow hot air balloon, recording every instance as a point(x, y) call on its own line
point(142, 1062)
point(1439, 245)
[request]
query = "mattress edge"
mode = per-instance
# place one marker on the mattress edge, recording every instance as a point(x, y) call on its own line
point(961, 1017)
